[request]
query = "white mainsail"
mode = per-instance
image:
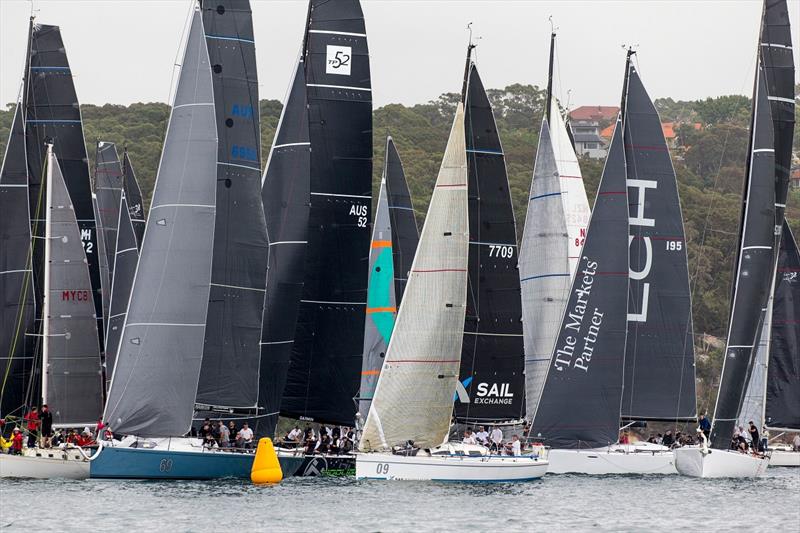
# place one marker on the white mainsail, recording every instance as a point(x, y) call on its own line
point(414, 396)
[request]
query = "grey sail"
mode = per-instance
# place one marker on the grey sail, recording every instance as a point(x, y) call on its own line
point(158, 364)
point(102, 261)
point(381, 302)
point(72, 381)
point(16, 280)
point(135, 202)
point(126, 259)
point(405, 234)
point(108, 185)
point(229, 376)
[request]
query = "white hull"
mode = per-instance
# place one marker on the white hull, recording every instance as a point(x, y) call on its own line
point(784, 458)
point(694, 462)
point(45, 464)
point(448, 468)
point(612, 460)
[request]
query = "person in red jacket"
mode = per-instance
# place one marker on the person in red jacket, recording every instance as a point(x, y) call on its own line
point(85, 439)
point(16, 442)
point(32, 419)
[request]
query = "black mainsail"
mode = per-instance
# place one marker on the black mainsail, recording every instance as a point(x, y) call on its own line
point(324, 370)
point(782, 409)
point(405, 234)
point(51, 111)
point(659, 357)
point(17, 312)
point(492, 356)
point(285, 198)
point(229, 376)
point(580, 402)
point(754, 268)
point(133, 193)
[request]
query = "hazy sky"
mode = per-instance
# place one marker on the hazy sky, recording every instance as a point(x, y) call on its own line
point(123, 51)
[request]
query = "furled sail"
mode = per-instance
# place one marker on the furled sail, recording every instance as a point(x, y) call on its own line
point(126, 259)
point(285, 198)
point(323, 377)
point(492, 360)
point(783, 377)
point(16, 281)
point(133, 193)
point(555, 229)
point(230, 370)
point(659, 357)
point(72, 381)
point(381, 303)
point(580, 403)
point(414, 397)
point(405, 234)
point(754, 267)
point(51, 111)
point(158, 364)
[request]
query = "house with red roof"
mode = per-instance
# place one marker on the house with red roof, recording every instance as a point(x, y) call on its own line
point(595, 113)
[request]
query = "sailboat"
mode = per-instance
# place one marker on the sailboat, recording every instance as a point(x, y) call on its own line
point(71, 377)
point(659, 328)
point(491, 387)
point(762, 221)
point(413, 399)
point(555, 229)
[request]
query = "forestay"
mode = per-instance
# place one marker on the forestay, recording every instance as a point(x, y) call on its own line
point(158, 365)
point(414, 396)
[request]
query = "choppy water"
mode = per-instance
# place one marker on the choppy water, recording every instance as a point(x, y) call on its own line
point(555, 503)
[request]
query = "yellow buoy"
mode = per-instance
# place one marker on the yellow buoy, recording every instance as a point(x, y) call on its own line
point(266, 468)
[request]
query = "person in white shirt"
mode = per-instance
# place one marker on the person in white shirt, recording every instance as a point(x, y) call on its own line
point(515, 446)
point(469, 438)
point(482, 436)
point(245, 437)
point(294, 435)
point(497, 438)
point(796, 443)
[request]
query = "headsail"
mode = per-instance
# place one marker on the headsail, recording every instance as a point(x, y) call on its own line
point(229, 374)
point(414, 396)
point(158, 365)
point(285, 198)
point(323, 376)
point(72, 381)
point(133, 193)
point(108, 185)
point(492, 358)
point(783, 383)
point(381, 303)
point(405, 234)
point(16, 281)
point(659, 357)
point(580, 403)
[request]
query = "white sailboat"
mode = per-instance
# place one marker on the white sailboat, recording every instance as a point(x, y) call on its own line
point(413, 401)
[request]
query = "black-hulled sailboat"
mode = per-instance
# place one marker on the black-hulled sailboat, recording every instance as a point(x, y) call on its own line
point(762, 220)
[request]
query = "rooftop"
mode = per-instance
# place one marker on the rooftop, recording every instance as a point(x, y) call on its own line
point(594, 112)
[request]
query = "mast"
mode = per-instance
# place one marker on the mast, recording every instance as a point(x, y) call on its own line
point(549, 96)
point(414, 396)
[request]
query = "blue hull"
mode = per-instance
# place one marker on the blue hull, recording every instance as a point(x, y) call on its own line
point(143, 463)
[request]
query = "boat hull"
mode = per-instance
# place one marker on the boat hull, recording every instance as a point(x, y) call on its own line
point(598, 462)
point(140, 463)
point(327, 465)
point(782, 458)
point(695, 462)
point(449, 468)
point(44, 464)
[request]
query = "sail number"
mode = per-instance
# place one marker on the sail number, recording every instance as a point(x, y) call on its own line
point(86, 237)
point(496, 250)
point(360, 212)
point(165, 465)
point(338, 60)
point(383, 468)
point(673, 246)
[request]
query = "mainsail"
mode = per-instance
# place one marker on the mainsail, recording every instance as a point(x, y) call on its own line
point(16, 281)
point(555, 229)
point(323, 375)
point(414, 396)
point(285, 198)
point(405, 234)
point(51, 111)
point(108, 185)
point(229, 376)
point(492, 359)
point(102, 259)
point(158, 364)
point(126, 259)
point(580, 403)
point(381, 303)
point(134, 195)
point(783, 376)
point(754, 267)
point(659, 357)
point(72, 382)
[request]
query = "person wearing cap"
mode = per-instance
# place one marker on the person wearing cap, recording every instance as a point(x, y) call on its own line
point(16, 442)
point(33, 422)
